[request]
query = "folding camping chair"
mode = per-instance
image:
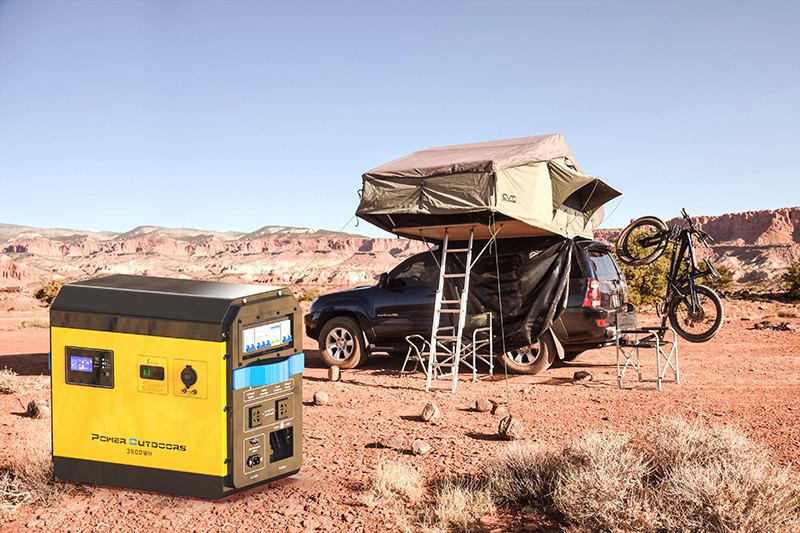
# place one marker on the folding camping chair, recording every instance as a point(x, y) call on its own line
point(477, 340)
point(630, 341)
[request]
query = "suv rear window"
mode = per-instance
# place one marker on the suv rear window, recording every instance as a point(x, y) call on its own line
point(604, 267)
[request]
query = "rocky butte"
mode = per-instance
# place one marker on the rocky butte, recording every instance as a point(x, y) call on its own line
point(756, 245)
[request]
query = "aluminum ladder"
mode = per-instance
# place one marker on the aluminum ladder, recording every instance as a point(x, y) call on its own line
point(445, 345)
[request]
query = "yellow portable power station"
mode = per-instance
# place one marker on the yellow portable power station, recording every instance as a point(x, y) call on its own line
point(176, 386)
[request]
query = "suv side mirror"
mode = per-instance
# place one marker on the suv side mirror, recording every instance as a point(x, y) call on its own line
point(383, 279)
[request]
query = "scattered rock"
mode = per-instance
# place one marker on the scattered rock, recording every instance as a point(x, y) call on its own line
point(394, 442)
point(582, 375)
point(321, 398)
point(429, 412)
point(766, 324)
point(510, 429)
point(483, 405)
point(37, 409)
point(334, 373)
point(500, 410)
point(420, 447)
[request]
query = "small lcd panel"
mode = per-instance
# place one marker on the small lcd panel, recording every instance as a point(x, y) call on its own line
point(80, 364)
point(151, 372)
point(267, 336)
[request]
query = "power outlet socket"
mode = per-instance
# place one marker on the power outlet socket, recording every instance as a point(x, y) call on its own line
point(254, 417)
point(282, 409)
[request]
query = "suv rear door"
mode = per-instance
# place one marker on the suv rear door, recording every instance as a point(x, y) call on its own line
point(613, 292)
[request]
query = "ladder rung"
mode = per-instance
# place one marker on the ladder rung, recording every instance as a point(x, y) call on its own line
point(446, 337)
point(455, 275)
point(458, 250)
point(451, 301)
point(449, 310)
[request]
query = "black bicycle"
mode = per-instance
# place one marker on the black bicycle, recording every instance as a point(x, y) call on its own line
point(694, 311)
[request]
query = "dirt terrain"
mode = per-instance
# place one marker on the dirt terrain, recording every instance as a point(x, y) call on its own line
point(744, 377)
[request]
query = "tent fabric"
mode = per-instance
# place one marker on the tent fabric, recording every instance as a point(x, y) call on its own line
point(480, 157)
point(528, 186)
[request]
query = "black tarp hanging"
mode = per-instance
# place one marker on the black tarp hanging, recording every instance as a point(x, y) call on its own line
point(533, 288)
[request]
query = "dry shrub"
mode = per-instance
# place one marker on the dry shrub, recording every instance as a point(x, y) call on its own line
point(457, 505)
point(600, 484)
point(35, 323)
point(12, 383)
point(9, 381)
point(673, 476)
point(29, 477)
point(393, 481)
point(714, 478)
point(787, 314)
point(523, 475)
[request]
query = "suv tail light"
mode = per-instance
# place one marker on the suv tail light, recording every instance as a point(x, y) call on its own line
point(592, 298)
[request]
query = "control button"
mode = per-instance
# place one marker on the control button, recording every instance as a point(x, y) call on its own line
point(183, 391)
point(254, 441)
point(188, 376)
point(194, 391)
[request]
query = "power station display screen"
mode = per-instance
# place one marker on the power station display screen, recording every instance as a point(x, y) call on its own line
point(80, 364)
point(89, 366)
point(267, 335)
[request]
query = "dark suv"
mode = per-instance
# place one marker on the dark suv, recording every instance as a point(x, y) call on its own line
point(352, 324)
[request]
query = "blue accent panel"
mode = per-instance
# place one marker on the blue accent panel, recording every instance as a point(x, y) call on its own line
point(268, 374)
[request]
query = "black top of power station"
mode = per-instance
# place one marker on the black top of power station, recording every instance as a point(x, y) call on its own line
point(158, 298)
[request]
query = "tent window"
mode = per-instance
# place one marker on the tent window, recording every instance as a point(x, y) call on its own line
point(577, 200)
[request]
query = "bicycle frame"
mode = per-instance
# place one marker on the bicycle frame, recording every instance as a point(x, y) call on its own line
point(679, 281)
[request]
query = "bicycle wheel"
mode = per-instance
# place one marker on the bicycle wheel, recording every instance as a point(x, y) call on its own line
point(699, 324)
point(643, 241)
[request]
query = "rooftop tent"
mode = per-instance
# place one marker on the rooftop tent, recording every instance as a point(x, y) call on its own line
point(529, 186)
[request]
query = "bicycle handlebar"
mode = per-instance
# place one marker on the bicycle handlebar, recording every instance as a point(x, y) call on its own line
point(688, 219)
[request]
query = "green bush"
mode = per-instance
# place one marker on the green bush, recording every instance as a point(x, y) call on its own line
point(723, 282)
point(307, 295)
point(791, 280)
point(646, 284)
point(47, 292)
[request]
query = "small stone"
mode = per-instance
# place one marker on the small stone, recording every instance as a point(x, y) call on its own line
point(334, 373)
point(321, 398)
point(582, 375)
point(500, 410)
point(395, 442)
point(483, 405)
point(429, 412)
point(510, 429)
point(37, 409)
point(420, 447)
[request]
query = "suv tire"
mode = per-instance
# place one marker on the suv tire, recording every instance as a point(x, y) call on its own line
point(341, 343)
point(532, 362)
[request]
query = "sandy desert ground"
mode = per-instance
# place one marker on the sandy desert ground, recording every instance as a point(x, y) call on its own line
point(743, 377)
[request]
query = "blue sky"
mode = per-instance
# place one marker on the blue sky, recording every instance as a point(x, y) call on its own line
point(235, 115)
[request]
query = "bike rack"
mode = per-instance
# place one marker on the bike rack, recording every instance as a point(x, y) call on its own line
point(630, 341)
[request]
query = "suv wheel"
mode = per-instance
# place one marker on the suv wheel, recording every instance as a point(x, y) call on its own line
point(530, 360)
point(340, 343)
